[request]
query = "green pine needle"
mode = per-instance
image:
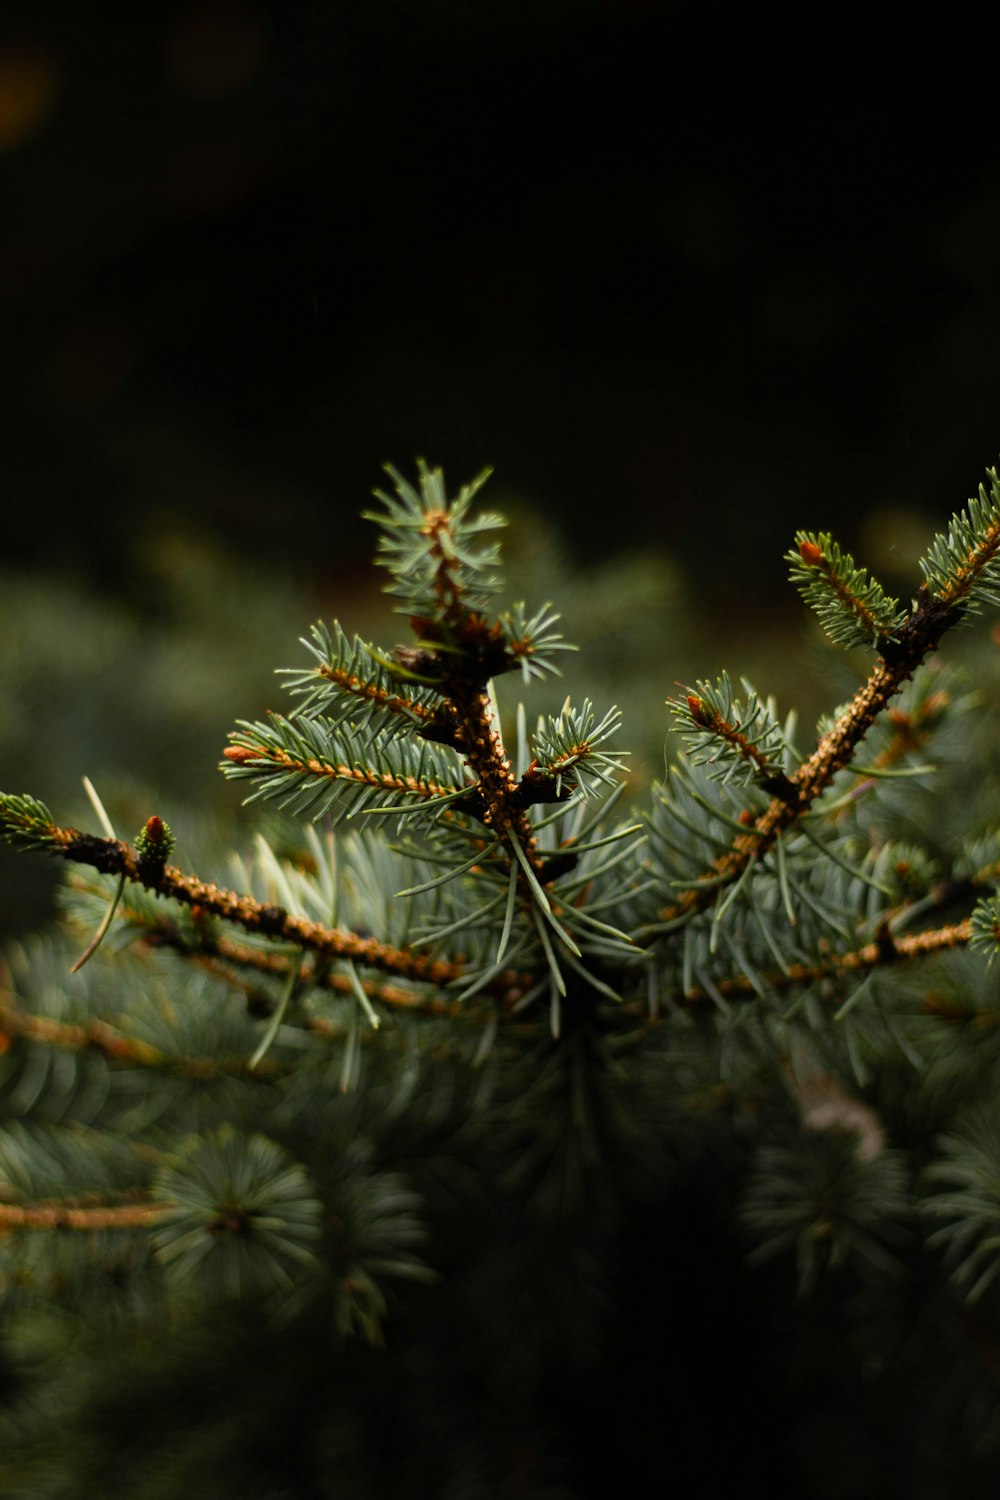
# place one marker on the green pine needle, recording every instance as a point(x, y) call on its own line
point(962, 567)
point(853, 609)
point(26, 823)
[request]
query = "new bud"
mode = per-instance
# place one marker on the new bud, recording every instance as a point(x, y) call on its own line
point(240, 754)
point(153, 847)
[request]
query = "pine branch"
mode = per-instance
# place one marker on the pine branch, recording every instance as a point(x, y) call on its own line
point(15, 1022)
point(797, 898)
point(117, 1047)
point(853, 609)
point(962, 568)
point(114, 857)
point(334, 764)
point(352, 681)
point(530, 640)
point(430, 544)
point(916, 639)
point(887, 950)
point(568, 754)
point(985, 921)
point(26, 823)
point(330, 771)
point(104, 1218)
point(238, 962)
point(741, 742)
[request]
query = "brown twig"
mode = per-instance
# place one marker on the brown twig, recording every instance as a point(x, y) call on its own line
point(55, 1215)
point(835, 750)
point(884, 951)
point(115, 857)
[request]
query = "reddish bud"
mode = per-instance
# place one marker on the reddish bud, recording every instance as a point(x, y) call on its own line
point(747, 818)
point(811, 555)
point(697, 710)
point(153, 846)
point(240, 754)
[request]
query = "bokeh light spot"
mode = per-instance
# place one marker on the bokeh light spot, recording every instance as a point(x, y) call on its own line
point(29, 87)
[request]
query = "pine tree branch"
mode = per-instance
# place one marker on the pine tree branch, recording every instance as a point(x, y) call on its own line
point(115, 857)
point(734, 734)
point(737, 740)
point(886, 950)
point(277, 756)
point(962, 566)
point(230, 960)
point(54, 1216)
point(431, 546)
point(15, 1022)
point(531, 640)
point(919, 636)
point(372, 693)
point(98, 1036)
point(353, 680)
point(487, 762)
point(853, 608)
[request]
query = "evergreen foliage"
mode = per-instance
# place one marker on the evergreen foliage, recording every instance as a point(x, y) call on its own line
point(336, 1171)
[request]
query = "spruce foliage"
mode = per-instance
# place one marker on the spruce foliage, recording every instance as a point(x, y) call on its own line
point(336, 1169)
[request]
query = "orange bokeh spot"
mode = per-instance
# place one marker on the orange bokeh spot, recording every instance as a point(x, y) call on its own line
point(29, 87)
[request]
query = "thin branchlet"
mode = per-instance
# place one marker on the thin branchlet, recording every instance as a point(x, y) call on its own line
point(92, 1219)
point(115, 857)
point(373, 692)
point(835, 751)
point(97, 1036)
point(238, 962)
point(885, 950)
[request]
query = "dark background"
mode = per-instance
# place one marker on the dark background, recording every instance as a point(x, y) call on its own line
point(687, 275)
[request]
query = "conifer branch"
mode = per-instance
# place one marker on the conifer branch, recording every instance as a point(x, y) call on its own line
point(98, 1036)
point(853, 608)
point(352, 680)
point(377, 740)
point(884, 951)
point(26, 823)
point(431, 545)
point(489, 767)
point(231, 961)
point(962, 568)
point(740, 741)
point(90, 1220)
point(920, 635)
point(115, 857)
point(308, 764)
point(568, 751)
point(802, 895)
point(530, 640)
